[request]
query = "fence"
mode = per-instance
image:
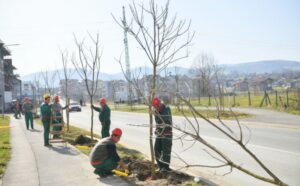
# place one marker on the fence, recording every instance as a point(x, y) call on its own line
point(289, 98)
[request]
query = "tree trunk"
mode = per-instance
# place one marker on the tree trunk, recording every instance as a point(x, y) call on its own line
point(276, 98)
point(287, 98)
point(151, 122)
point(92, 118)
point(234, 100)
point(249, 99)
point(68, 114)
point(151, 140)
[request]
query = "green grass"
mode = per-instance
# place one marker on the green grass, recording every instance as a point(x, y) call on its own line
point(5, 148)
point(74, 132)
point(243, 101)
point(175, 112)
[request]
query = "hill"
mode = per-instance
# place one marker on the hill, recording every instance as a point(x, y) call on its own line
point(259, 67)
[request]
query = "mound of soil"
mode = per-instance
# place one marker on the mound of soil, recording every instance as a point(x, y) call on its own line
point(140, 174)
point(83, 140)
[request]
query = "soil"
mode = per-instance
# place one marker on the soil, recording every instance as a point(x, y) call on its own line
point(83, 140)
point(140, 171)
point(140, 174)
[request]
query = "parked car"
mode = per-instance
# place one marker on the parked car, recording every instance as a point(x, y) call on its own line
point(75, 107)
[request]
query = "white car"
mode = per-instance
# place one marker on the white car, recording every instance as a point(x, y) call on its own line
point(75, 107)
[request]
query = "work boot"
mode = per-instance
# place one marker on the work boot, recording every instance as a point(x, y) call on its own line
point(165, 169)
point(109, 173)
point(102, 174)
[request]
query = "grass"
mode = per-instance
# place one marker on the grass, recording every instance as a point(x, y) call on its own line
point(176, 112)
point(243, 101)
point(5, 148)
point(74, 132)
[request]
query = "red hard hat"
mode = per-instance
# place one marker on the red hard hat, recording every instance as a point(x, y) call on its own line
point(155, 102)
point(56, 98)
point(102, 100)
point(117, 132)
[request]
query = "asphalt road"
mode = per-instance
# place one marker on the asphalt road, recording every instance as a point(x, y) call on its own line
point(275, 143)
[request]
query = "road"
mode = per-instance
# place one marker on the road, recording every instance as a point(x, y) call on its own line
point(277, 144)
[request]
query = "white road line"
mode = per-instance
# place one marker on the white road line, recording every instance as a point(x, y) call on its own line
point(255, 146)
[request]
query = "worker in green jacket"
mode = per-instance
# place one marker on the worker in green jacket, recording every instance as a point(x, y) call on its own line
point(104, 117)
point(57, 116)
point(27, 110)
point(163, 132)
point(104, 157)
point(46, 117)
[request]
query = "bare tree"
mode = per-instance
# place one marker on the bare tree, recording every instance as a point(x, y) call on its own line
point(203, 69)
point(192, 131)
point(68, 72)
point(87, 65)
point(36, 83)
point(49, 81)
point(164, 40)
point(220, 93)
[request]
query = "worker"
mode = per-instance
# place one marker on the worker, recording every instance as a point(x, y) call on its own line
point(46, 117)
point(163, 132)
point(17, 109)
point(57, 116)
point(104, 117)
point(104, 157)
point(27, 110)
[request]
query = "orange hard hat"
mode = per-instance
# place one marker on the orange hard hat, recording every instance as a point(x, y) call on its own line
point(102, 100)
point(56, 98)
point(117, 132)
point(156, 101)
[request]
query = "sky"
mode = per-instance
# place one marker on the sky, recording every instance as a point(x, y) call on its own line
point(233, 31)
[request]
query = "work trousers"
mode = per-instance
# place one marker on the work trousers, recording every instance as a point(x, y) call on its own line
point(107, 166)
point(105, 129)
point(162, 149)
point(46, 124)
point(29, 119)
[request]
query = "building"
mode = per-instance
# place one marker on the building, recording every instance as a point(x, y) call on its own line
point(262, 84)
point(6, 78)
point(295, 84)
point(241, 86)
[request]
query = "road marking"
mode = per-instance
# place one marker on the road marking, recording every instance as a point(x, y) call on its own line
point(252, 145)
point(233, 122)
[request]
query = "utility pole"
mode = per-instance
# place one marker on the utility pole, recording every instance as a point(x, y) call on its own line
point(128, 73)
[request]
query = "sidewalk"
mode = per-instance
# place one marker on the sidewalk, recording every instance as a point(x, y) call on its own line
point(32, 164)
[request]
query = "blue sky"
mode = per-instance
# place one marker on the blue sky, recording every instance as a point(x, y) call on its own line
point(234, 31)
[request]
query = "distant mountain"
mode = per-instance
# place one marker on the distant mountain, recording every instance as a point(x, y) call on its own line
point(75, 75)
point(260, 67)
point(104, 76)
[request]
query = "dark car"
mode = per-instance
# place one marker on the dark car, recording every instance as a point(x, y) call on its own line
point(75, 107)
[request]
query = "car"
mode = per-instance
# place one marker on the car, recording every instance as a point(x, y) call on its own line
point(75, 107)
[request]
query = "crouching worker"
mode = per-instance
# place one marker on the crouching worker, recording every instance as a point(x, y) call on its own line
point(104, 157)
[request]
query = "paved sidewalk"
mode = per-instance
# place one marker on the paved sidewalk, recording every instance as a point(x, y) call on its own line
point(32, 164)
